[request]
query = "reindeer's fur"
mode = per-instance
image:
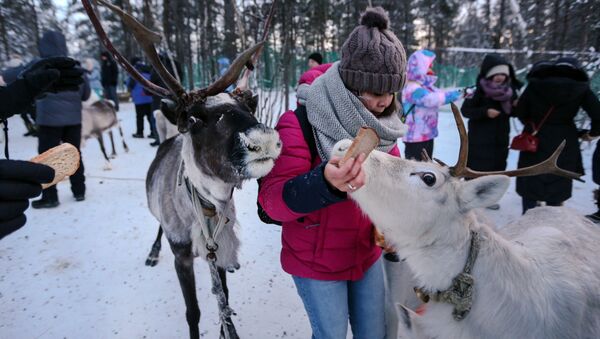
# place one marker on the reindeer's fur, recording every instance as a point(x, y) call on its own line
point(98, 116)
point(213, 170)
point(170, 204)
point(538, 277)
point(166, 130)
point(221, 146)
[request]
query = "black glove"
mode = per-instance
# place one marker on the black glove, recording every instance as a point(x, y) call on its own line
point(54, 74)
point(19, 181)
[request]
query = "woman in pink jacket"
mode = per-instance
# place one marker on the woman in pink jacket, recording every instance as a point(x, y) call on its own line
point(328, 244)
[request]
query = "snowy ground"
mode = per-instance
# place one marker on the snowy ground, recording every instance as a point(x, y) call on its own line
point(78, 271)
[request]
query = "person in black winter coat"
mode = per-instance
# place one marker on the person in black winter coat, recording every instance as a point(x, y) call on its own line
point(21, 180)
point(59, 120)
point(596, 177)
point(561, 88)
point(489, 110)
point(109, 74)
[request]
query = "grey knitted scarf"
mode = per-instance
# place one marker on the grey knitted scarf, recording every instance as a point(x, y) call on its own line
point(336, 113)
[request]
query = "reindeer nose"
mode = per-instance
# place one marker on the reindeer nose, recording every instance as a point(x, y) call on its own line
point(260, 138)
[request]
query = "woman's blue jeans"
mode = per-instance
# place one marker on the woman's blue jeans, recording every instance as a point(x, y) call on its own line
point(330, 304)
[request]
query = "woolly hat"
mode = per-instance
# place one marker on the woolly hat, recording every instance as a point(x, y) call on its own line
point(316, 57)
point(498, 69)
point(373, 58)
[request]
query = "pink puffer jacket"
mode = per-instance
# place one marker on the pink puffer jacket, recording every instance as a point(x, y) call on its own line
point(333, 243)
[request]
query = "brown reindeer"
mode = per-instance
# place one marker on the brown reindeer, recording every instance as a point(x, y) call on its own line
point(191, 181)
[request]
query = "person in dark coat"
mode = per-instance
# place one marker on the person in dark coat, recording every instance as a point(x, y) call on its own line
point(59, 120)
point(596, 177)
point(109, 73)
point(489, 110)
point(561, 88)
point(21, 180)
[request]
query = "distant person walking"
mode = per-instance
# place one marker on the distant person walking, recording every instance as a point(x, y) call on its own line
point(59, 120)
point(110, 77)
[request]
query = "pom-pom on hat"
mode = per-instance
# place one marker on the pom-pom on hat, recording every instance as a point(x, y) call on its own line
point(373, 59)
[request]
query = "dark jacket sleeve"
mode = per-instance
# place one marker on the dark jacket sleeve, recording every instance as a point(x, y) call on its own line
point(474, 108)
point(114, 73)
point(130, 84)
point(85, 90)
point(15, 98)
point(523, 111)
point(310, 191)
point(591, 105)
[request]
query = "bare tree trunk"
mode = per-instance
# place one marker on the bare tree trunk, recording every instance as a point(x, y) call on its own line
point(565, 25)
point(3, 35)
point(555, 26)
point(230, 36)
point(127, 37)
point(35, 22)
point(500, 25)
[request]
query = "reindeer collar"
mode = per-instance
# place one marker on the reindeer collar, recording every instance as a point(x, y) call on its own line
point(460, 293)
point(208, 208)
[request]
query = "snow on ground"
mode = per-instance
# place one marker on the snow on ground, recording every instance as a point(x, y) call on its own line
point(77, 271)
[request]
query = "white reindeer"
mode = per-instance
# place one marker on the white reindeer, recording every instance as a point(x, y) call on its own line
point(538, 277)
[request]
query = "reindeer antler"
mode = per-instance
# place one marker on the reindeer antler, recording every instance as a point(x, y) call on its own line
point(147, 39)
point(548, 166)
point(243, 83)
point(144, 33)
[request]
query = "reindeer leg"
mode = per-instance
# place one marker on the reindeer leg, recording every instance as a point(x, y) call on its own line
point(107, 166)
point(152, 259)
point(184, 265)
point(101, 142)
point(112, 144)
point(220, 290)
point(123, 139)
point(230, 331)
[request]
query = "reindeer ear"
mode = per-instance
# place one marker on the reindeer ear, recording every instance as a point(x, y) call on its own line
point(168, 108)
point(482, 192)
point(246, 98)
point(252, 103)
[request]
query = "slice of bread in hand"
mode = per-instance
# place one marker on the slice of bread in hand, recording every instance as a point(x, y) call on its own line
point(64, 159)
point(365, 142)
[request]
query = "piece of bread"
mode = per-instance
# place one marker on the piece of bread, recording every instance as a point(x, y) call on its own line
point(366, 141)
point(64, 159)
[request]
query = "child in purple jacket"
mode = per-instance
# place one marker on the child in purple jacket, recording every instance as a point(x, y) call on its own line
point(422, 101)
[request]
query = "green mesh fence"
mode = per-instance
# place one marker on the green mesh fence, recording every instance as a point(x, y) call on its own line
point(272, 69)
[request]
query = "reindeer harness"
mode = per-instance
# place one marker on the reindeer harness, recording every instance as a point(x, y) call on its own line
point(206, 213)
point(460, 292)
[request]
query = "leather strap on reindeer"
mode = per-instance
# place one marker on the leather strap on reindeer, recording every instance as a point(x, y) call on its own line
point(460, 293)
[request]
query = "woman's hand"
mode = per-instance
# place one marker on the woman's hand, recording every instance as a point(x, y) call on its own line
point(492, 113)
point(347, 177)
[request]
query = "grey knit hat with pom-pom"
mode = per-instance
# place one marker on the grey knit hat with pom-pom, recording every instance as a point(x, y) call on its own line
point(373, 59)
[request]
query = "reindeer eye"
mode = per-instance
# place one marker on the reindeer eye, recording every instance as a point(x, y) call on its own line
point(192, 120)
point(428, 178)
